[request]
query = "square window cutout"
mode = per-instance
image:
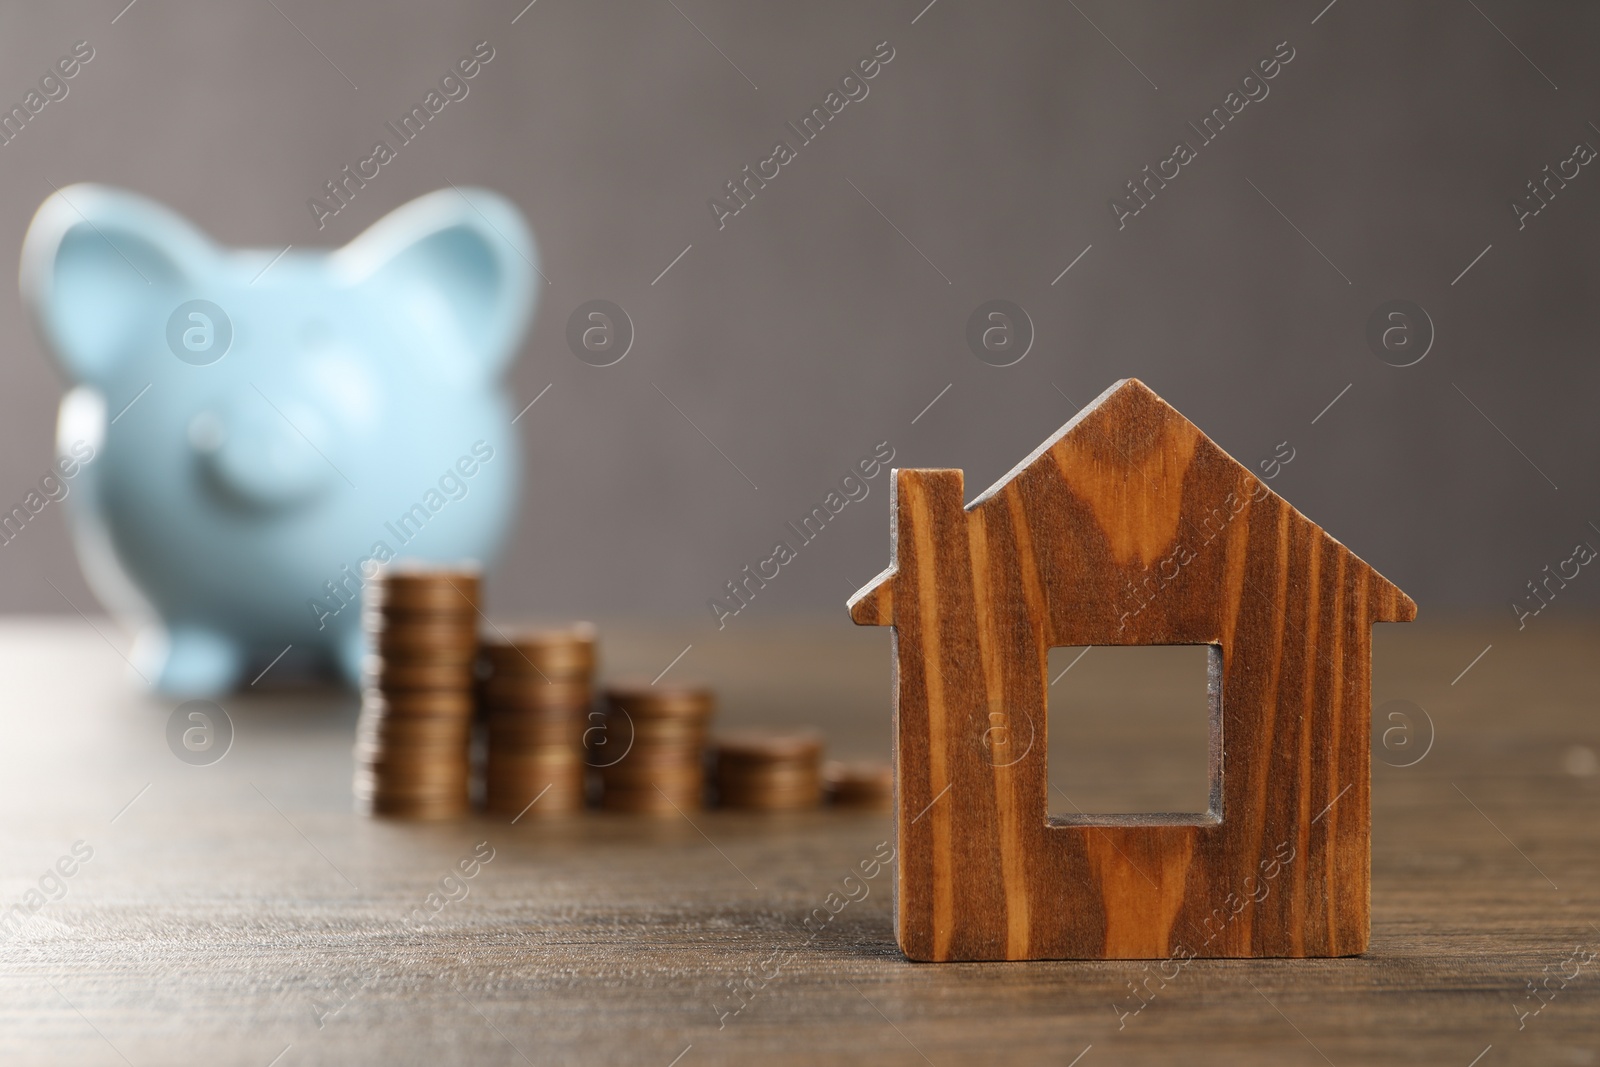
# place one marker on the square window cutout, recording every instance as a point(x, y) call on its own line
point(1130, 730)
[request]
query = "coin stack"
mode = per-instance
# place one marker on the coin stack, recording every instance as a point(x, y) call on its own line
point(537, 696)
point(866, 785)
point(769, 771)
point(651, 751)
point(417, 697)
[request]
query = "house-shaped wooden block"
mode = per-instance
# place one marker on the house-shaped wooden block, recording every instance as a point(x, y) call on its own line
point(1127, 527)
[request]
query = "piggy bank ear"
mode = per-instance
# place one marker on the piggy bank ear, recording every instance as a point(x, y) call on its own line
point(458, 266)
point(101, 270)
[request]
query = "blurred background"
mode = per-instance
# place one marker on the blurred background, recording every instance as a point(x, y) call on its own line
point(775, 350)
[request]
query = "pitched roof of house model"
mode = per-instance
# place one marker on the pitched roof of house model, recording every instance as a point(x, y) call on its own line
point(1138, 460)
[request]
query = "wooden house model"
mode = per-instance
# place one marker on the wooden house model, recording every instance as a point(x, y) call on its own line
point(1128, 526)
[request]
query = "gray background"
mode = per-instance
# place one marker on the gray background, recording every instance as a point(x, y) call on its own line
point(809, 329)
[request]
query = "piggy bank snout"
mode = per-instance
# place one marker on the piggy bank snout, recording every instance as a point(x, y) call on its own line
point(264, 455)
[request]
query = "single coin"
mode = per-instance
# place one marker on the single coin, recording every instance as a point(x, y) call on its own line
point(536, 756)
point(503, 770)
point(793, 787)
point(610, 738)
point(767, 768)
point(418, 703)
point(567, 737)
point(652, 731)
point(652, 801)
point(643, 699)
point(390, 753)
point(414, 761)
point(446, 602)
point(398, 777)
point(562, 791)
point(645, 777)
point(530, 693)
point(669, 783)
point(794, 800)
point(392, 675)
point(562, 794)
point(769, 772)
point(772, 781)
point(414, 764)
point(545, 654)
point(688, 748)
point(768, 746)
point(535, 718)
point(416, 586)
point(568, 741)
point(532, 800)
point(436, 810)
point(866, 784)
point(454, 803)
point(646, 757)
point(402, 732)
point(430, 640)
point(379, 621)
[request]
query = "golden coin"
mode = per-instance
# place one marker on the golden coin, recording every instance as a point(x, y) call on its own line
point(767, 801)
point(532, 799)
point(530, 693)
point(397, 777)
point(378, 754)
point(640, 699)
point(427, 810)
point(865, 784)
point(768, 746)
point(564, 738)
point(430, 641)
point(646, 783)
point(456, 703)
point(534, 756)
point(416, 586)
point(769, 777)
point(652, 801)
point(392, 675)
point(610, 736)
point(550, 655)
point(788, 793)
point(409, 733)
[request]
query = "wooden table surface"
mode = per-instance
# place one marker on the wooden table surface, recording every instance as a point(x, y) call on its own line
point(238, 913)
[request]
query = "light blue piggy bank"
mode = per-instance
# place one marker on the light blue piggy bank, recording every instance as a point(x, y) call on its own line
point(266, 428)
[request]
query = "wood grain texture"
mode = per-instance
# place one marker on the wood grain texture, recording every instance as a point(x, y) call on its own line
point(207, 930)
point(1127, 527)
